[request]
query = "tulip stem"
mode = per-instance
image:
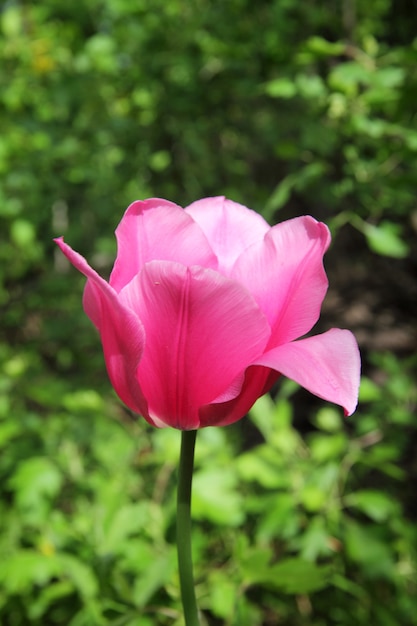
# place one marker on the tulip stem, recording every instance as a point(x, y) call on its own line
point(185, 561)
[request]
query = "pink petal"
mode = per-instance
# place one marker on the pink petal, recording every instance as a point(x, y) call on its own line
point(285, 275)
point(202, 331)
point(157, 229)
point(121, 332)
point(230, 227)
point(258, 380)
point(328, 365)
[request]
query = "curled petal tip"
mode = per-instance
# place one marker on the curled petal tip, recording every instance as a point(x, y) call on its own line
point(327, 365)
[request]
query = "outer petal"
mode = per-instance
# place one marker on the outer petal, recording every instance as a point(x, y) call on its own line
point(285, 275)
point(121, 332)
point(328, 365)
point(230, 227)
point(202, 331)
point(157, 229)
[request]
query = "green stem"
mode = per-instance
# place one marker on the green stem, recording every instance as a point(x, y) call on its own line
point(185, 561)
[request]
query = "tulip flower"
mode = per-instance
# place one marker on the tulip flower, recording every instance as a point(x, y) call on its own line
point(204, 310)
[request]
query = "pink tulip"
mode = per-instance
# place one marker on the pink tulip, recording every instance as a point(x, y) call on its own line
point(204, 309)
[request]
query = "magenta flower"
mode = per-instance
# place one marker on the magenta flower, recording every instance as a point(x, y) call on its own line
point(204, 309)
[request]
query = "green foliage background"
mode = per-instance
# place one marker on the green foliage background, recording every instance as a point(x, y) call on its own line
point(289, 108)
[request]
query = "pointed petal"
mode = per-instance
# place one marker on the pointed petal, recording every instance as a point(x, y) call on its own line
point(327, 365)
point(157, 229)
point(230, 227)
point(202, 331)
point(285, 275)
point(121, 332)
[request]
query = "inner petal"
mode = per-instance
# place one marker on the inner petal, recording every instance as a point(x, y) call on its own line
point(230, 227)
point(157, 229)
point(285, 274)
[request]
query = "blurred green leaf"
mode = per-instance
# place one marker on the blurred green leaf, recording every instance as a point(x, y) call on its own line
point(383, 239)
point(157, 574)
point(299, 576)
point(83, 400)
point(281, 88)
point(365, 547)
point(315, 541)
point(321, 46)
point(280, 195)
point(313, 497)
point(329, 419)
point(223, 596)
point(289, 576)
point(215, 497)
point(348, 77)
point(261, 466)
point(22, 233)
point(375, 504)
point(11, 21)
point(25, 568)
point(368, 390)
point(326, 447)
point(82, 576)
point(35, 479)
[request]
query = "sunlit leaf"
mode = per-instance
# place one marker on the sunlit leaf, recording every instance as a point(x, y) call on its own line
point(384, 240)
